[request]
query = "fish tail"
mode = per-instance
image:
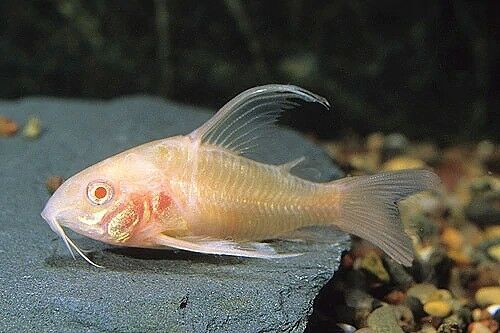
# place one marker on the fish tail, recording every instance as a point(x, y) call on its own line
point(368, 208)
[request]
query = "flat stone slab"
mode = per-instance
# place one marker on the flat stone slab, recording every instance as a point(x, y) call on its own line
point(42, 289)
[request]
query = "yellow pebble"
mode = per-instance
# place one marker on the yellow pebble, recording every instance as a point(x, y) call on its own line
point(440, 295)
point(403, 162)
point(488, 295)
point(492, 232)
point(438, 308)
point(494, 252)
point(373, 264)
point(422, 291)
point(33, 128)
point(427, 328)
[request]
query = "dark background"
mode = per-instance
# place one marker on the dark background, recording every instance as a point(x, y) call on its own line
point(428, 69)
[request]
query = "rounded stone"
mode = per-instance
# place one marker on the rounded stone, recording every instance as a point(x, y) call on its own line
point(478, 328)
point(494, 252)
point(487, 296)
point(438, 308)
point(422, 291)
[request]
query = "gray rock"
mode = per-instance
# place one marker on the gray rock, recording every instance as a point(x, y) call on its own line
point(484, 209)
point(43, 290)
point(394, 144)
point(385, 319)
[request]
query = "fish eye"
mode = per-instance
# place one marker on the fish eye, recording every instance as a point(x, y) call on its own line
point(99, 192)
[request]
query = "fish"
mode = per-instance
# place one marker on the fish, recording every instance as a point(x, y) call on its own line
point(204, 192)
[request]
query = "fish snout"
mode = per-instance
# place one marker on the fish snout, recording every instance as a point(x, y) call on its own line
point(85, 223)
point(49, 216)
point(54, 218)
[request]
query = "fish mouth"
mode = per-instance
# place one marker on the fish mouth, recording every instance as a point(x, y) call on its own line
point(52, 220)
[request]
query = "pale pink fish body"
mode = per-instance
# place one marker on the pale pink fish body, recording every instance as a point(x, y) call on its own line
point(200, 193)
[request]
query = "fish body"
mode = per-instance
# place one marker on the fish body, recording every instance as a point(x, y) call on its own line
point(223, 195)
point(200, 192)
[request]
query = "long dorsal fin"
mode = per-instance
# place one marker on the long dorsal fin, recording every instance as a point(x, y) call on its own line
point(250, 116)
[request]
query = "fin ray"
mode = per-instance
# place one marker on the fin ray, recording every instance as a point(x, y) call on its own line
point(288, 166)
point(222, 247)
point(241, 123)
point(369, 208)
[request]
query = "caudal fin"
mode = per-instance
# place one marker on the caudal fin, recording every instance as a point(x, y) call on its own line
point(369, 208)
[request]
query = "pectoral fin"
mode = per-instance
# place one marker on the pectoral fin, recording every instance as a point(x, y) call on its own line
point(221, 247)
point(287, 167)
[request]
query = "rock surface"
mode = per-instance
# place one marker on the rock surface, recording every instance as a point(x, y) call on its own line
point(43, 289)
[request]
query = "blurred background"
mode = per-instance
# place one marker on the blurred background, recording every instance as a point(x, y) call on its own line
point(426, 69)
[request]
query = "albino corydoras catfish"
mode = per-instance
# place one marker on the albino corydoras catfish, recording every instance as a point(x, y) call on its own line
point(200, 193)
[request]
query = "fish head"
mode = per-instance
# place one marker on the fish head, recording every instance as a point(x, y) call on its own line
point(105, 201)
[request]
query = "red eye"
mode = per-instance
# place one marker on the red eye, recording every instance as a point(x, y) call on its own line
point(99, 192)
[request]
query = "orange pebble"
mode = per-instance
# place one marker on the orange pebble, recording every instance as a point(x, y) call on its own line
point(8, 127)
point(53, 183)
point(395, 297)
point(452, 238)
